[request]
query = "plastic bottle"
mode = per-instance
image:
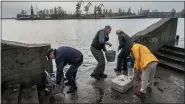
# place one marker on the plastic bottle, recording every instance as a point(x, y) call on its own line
point(130, 68)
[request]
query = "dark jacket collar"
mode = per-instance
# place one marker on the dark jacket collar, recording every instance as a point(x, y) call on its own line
point(55, 53)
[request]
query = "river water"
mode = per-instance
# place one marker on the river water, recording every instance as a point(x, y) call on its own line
point(75, 33)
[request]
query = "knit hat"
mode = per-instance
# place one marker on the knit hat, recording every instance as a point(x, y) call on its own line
point(48, 52)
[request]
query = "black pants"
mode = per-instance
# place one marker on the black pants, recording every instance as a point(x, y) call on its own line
point(98, 54)
point(122, 60)
point(71, 73)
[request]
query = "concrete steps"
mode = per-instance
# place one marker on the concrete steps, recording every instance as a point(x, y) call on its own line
point(175, 48)
point(171, 65)
point(171, 52)
point(14, 94)
point(11, 94)
point(171, 58)
point(29, 95)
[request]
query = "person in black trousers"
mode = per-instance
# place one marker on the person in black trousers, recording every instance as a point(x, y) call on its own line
point(97, 47)
point(125, 44)
point(66, 55)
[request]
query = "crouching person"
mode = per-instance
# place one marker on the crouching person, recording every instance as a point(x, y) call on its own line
point(66, 55)
point(145, 63)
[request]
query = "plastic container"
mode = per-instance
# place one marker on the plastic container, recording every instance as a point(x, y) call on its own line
point(110, 55)
point(130, 69)
point(52, 77)
point(122, 83)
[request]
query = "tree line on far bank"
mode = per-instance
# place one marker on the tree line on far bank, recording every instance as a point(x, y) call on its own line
point(99, 11)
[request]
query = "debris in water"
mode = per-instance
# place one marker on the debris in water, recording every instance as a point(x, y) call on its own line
point(14, 90)
point(156, 83)
point(160, 89)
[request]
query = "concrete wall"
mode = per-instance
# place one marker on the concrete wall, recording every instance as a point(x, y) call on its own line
point(23, 63)
point(158, 34)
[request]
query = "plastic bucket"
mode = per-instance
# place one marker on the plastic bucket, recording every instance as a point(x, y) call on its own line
point(110, 55)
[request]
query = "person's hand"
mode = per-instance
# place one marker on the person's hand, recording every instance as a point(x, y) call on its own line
point(46, 58)
point(107, 43)
point(110, 44)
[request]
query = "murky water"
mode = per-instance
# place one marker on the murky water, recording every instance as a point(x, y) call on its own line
point(75, 33)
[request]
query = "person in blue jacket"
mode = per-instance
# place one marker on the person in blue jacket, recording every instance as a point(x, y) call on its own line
point(66, 55)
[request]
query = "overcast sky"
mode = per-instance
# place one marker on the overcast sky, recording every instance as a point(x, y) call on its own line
point(10, 9)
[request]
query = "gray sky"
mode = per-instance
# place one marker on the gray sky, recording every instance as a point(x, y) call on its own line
point(10, 9)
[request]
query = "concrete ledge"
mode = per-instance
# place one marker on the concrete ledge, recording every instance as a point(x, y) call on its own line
point(152, 27)
point(6, 42)
point(158, 34)
point(24, 63)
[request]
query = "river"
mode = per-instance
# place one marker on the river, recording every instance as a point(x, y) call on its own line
point(75, 33)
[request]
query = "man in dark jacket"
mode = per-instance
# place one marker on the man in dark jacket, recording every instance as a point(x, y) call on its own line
point(125, 44)
point(66, 55)
point(98, 44)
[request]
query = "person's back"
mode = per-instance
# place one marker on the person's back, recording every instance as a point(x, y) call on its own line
point(96, 41)
point(125, 42)
point(142, 55)
point(67, 54)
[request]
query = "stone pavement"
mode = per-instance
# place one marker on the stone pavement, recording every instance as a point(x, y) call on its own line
point(169, 88)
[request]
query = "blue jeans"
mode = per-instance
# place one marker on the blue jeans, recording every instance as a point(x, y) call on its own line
point(71, 73)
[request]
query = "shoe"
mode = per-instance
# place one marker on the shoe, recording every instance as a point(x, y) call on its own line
point(149, 89)
point(103, 75)
point(96, 76)
point(65, 79)
point(67, 83)
point(116, 69)
point(72, 89)
point(139, 93)
point(123, 69)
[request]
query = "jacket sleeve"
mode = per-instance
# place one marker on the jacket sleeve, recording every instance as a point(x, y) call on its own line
point(59, 72)
point(121, 42)
point(102, 37)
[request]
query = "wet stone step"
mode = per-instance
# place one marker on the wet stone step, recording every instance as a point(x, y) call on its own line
point(170, 58)
point(173, 52)
point(171, 65)
point(11, 94)
point(29, 95)
point(175, 48)
point(169, 52)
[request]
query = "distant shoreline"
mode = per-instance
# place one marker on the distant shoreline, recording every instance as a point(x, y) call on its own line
point(88, 18)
